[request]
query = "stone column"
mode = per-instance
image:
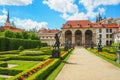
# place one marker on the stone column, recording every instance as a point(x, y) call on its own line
point(83, 39)
point(73, 38)
point(94, 38)
point(63, 39)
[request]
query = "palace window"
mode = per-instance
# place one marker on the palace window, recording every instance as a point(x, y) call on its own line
point(110, 35)
point(107, 35)
point(100, 36)
point(106, 30)
point(110, 30)
point(100, 30)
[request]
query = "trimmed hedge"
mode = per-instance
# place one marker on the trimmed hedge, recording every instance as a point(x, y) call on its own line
point(13, 43)
point(66, 54)
point(29, 58)
point(6, 71)
point(4, 58)
point(17, 77)
point(3, 64)
point(31, 53)
point(41, 74)
point(108, 55)
point(9, 52)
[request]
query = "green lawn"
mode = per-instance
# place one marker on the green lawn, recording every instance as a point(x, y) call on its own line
point(2, 34)
point(2, 78)
point(23, 65)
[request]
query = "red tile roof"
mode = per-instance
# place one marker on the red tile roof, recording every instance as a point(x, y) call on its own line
point(14, 29)
point(43, 30)
point(87, 24)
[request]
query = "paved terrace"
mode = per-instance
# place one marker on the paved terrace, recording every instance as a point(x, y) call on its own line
point(82, 65)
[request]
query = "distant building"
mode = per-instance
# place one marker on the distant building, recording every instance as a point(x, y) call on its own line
point(11, 26)
point(82, 32)
point(47, 35)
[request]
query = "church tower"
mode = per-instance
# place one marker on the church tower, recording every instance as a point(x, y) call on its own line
point(99, 18)
point(7, 23)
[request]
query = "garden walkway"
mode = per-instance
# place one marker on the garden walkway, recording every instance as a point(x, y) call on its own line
point(83, 65)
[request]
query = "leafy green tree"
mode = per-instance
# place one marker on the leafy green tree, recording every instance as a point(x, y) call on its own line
point(9, 34)
point(18, 35)
point(34, 36)
point(25, 35)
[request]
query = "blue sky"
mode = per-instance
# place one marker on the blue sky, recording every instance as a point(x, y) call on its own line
point(52, 14)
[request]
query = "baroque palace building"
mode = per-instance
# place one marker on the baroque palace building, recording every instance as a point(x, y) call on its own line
point(47, 35)
point(82, 32)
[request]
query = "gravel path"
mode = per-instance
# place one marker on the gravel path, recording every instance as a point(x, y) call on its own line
point(82, 65)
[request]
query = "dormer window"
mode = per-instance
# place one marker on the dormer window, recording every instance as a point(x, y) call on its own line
point(88, 24)
point(78, 24)
point(68, 24)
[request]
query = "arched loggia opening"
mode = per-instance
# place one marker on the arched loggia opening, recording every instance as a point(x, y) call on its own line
point(68, 35)
point(78, 38)
point(88, 38)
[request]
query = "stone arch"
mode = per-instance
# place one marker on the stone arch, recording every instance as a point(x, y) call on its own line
point(111, 42)
point(78, 38)
point(88, 37)
point(107, 42)
point(68, 35)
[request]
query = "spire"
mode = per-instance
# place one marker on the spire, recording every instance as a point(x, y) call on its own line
point(99, 18)
point(7, 17)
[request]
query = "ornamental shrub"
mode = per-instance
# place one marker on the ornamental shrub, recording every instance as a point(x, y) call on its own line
point(21, 48)
point(3, 64)
point(31, 53)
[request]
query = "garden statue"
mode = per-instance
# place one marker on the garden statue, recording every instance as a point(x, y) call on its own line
point(56, 47)
point(92, 45)
point(66, 45)
point(99, 45)
point(118, 51)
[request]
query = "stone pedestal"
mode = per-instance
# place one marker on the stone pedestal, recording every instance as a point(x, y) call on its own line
point(118, 56)
point(99, 49)
point(55, 53)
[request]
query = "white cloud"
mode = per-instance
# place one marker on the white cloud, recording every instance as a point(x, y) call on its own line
point(24, 24)
point(30, 24)
point(63, 6)
point(3, 16)
point(75, 16)
point(15, 2)
point(4, 11)
point(90, 5)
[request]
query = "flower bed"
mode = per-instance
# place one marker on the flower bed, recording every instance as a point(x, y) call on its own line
point(108, 55)
point(27, 73)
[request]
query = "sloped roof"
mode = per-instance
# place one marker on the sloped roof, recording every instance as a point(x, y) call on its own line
point(49, 31)
point(87, 24)
point(12, 28)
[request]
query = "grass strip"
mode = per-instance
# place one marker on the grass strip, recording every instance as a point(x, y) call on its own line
point(108, 60)
point(53, 75)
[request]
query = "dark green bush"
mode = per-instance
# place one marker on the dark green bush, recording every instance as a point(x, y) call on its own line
point(3, 43)
point(3, 64)
point(4, 59)
point(7, 71)
point(13, 43)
